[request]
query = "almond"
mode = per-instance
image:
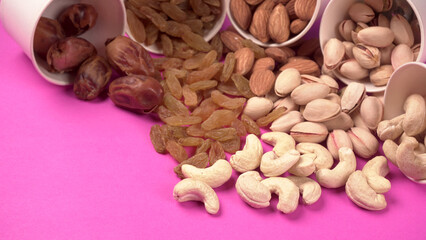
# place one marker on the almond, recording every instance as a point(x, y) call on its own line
point(305, 66)
point(277, 54)
point(258, 25)
point(253, 2)
point(262, 81)
point(265, 63)
point(290, 9)
point(297, 26)
point(244, 61)
point(304, 9)
point(241, 13)
point(279, 24)
point(231, 40)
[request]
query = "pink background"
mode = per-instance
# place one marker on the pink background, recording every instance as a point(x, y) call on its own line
point(87, 170)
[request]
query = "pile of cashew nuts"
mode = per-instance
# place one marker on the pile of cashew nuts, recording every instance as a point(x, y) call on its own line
point(363, 187)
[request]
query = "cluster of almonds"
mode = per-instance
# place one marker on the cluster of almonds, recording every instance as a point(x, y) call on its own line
point(372, 44)
point(272, 20)
point(405, 138)
point(172, 24)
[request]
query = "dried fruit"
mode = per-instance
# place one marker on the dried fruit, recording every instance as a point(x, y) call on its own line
point(228, 67)
point(77, 19)
point(190, 141)
point(242, 85)
point(221, 134)
point(208, 59)
point(250, 124)
point(163, 112)
point(196, 41)
point(274, 115)
point(204, 147)
point(239, 126)
point(203, 85)
point(176, 151)
point(173, 11)
point(205, 74)
point(173, 85)
point(136, 26)
point(206, 108)
point(175, 132)
point(231, 146)
point(218, 119)
point(199, 160)
point(47, 33)
point(92, 78)
point(190, 97)
point(174, 105)
point(158, 139)
point(195, 130)
point(227, 102)
point(216, 152)
point(182, 120)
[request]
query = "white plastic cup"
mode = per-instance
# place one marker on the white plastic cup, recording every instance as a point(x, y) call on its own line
point(337, 10)
point(208, 34)
point(20, 18)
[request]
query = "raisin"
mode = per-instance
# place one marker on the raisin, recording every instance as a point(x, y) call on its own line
point(231, 146)
point(208, 59)
point(196, 25)
point(218, 119)
point(163, 63)
point(163, 113)
point(175, 132)
point(176, 151)
point(167, 45)
point(190, 97)
point(136, 26)
point(175, 105)
point(173, 84)
point(227, 102)
point(274, 115)
point(199, 160)
point(214, 3)
point(173, 11)
point(242, 85)
point(204, 147)
point(259, 52)
point(150, 3)
point(193, 62)
point(206, 108)
point(217, 45)
point(158, 139)
point(229, 88)
point(196, 41)
point(232, 45)
point(221, 134)
point(205, 74)
point(203, 85)
point(155, 17)
point(228, 67)
point(199, 7)
point(152, 33)
point(191, 141)
point(195, 131)
point(216, 152)
point(176, 29)
point(182, 50)
point(250, 124)
point(239, 126)
point(182, 120)
point(209, 18)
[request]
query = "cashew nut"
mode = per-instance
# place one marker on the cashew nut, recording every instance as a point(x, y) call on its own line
point(271, 165)
point(282, 142)
point(252, 191)
point(249, 158)
point(305, 166)
point(338, 176)
point(375, 170)
point(360, 192)
point(420, 148)
point(390, 129)
point(310, 190)
point(323, 156)
point(412, 164)
point(389, 149)
point(194, 190)
point(415, 115)
point(287, 191)
point(215, 175)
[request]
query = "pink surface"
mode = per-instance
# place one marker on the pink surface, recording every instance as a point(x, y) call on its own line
point(87, 170)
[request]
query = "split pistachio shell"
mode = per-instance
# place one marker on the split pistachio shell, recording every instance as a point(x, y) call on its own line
point(371, 112)
point(401, 54)
point(321, 110)
point(368, 57)
point(287, 121)
point(352, 97)
point(342, 121)
point(353, 70)
point(385, 54)
point(349, 49)
point(309, 132)
point(361, 12)
point(357, 120)
point(416, 51)
point(287, 81)
point(305, 93)
point(376, 36)
point(365, 144)
point(380, 5)
point(311, 79)
point(334, 51)
point(383, 21)
point(333, 97)
point(331, 83)
point(345, 29)
point(258, 107)
point(336, 139)
point(381, 75)
point(286, 102)
point(402, 29)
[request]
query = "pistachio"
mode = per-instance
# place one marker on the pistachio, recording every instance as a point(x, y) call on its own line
point(376, 36)
point(345, 29)
point(386, 54)
point(416, 51)
point(361, 12)
point(334, 51)
point(337, 139)
point(401, 54)
point(311, 79)
point(333, 97)
point(368, 57)
point(287, 81)
point(402, 29)
point(416, 30)
point(348, 49)
point(341, 121)
point(381, 21)
point(286, 102)
point(357, 120)
point(287, 121)
point(359, 26)
point(309, 132)
point(371, 112)
point(305, 93)
point(381, 75)
point(326, 71)
point(258, 107)
point(331, 83)
point(380, 5)
point(321, 110)
point(364, 143)
point(353, 70)
point(352, 97)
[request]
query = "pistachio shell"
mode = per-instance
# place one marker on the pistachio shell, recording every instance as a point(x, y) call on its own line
point(401, 54)
point(334, 51)
point(345, 29)
point(309, 132)
point(286, 102)
point(368, 57)
point(333, 97)
point(385, 54)
point(342, 121)
point(305, 93)
point(331, 83)
point(402, 29)
point(353, 70)
point(416, 51)
point(311, 79)
point(321, 110)
point(348, 49)
point(381, 75)
point(352, 97)
point(383, 21)
point(257, 107)
point(371, 111)
point(380, 5)
point(286, 122)
point(376, 36)
point(364, 143)
point(361, 12)
point(337, 139)
point(287, 81)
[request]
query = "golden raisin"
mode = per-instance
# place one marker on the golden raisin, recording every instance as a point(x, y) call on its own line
point(199, 160)
point(221, 134)
point(176, 151)
point(250, 124)
point(272, 116)
point(216, 152)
